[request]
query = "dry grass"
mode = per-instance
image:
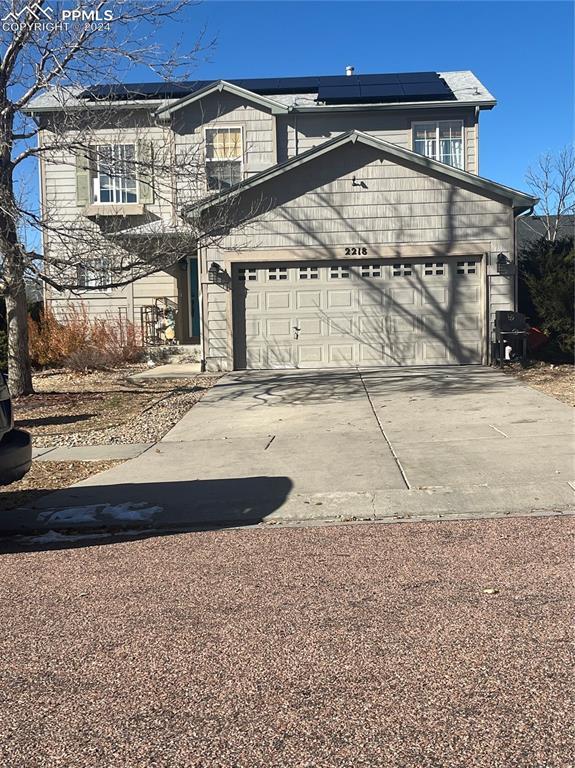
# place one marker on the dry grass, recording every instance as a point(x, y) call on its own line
point(47, 476)
point(555, 380)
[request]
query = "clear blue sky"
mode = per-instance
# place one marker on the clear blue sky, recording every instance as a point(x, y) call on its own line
point(521, 51)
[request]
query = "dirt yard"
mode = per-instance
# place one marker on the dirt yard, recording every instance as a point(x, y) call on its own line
point(555, 380)
point(104, 407)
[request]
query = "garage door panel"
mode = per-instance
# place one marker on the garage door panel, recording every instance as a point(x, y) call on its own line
point(309, 326)
point(280, 356)
point(434, 296)
point(402, 297)
point(311, 355)
point(467, 323)
point(255, 357)
point(337, 298)
point(278, 300)
point(371, 296)
point(372, 324)
point(466, 296)
point(434, 353)
point(341, 353)
point(398, 353)
point(468, 351)
point(412, 313)
point(398, 324)
point(371, 352)
point(278, 328)
point(308, 299)
point(253, 329)
point(433, 324)
point(252, 301)
point(340, 325)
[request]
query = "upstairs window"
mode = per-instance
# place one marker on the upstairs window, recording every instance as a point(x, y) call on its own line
point(115, 177)
point(224, 152)
point(442, 140)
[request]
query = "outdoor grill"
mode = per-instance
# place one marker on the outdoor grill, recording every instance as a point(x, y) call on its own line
point(511, 331)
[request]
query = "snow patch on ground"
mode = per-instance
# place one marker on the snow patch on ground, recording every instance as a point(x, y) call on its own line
point(101, 513)
point(54, 537)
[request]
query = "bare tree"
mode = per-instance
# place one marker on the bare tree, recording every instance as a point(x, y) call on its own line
point(552, 180)
point(57, 59)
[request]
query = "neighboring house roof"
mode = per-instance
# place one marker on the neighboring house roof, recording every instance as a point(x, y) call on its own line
point(519, 200)
point(275, 106)
point(535, 227)
point(395, 90)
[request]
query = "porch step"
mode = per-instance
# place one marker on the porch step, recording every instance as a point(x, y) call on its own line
point(175, 354)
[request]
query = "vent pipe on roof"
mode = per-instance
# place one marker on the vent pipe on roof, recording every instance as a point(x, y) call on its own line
point(349, 70)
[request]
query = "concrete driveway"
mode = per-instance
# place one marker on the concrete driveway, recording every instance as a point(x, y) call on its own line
point(309, 445)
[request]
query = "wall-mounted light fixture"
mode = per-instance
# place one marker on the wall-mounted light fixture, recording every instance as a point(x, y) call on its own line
point(217, 274)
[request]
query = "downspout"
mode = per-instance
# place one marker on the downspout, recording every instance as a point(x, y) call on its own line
point(296, 139)
point(529, 212)
point(201, 311)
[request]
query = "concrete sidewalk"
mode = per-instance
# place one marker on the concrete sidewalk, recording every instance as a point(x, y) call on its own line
point(90, 452)
point(421, 443)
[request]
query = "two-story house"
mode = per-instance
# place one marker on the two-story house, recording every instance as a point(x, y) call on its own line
point(361, 232)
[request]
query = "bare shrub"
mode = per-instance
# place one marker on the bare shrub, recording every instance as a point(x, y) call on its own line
point(76, 341)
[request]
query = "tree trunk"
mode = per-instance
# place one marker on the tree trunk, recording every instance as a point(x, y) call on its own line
point(19, 367)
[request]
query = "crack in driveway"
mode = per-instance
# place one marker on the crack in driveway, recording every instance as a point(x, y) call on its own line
point(385, 437)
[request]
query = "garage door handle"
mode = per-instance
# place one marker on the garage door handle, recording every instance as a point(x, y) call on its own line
point(296, 332)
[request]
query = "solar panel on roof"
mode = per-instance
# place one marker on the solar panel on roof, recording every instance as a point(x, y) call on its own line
point(381, 92)
point(420, 90)
point(339, 94)
point(334, 80)
point(377, 79)
point(420, 86)
point(333, 89)
point(417, 77)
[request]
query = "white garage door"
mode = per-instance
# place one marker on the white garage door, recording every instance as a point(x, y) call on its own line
point(334, 314)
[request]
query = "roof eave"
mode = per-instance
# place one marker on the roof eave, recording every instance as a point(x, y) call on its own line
point(394, 106)
point(89, 105)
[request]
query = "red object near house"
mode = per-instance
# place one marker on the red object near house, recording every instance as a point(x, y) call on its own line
point(536, 339)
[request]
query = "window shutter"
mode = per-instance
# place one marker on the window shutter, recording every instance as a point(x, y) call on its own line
point(145, 173)
point(83, 179)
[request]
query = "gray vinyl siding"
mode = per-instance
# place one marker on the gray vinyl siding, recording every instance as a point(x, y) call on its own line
point(398, 207)
point(305, 131)
point(60, 205)
point(225, 109)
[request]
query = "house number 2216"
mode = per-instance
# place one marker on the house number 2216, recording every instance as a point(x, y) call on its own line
point(359, 251)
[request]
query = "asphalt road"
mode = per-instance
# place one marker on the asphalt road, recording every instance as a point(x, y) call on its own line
point(355, 645)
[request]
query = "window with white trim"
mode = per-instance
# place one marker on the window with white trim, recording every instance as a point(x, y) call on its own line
point(115, 177)
point(97, 273)
point(440, 140)
point(224, 153)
